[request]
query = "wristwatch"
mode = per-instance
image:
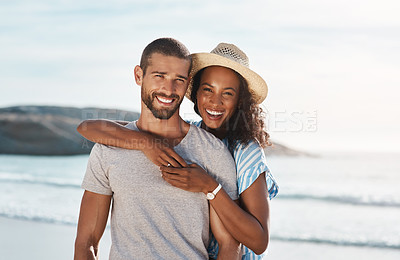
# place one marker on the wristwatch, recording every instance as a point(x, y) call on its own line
point(211, 195)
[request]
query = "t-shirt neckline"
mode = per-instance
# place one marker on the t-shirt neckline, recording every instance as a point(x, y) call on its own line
point(183, 141)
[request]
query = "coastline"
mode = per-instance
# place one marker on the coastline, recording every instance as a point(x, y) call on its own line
point(22, 239)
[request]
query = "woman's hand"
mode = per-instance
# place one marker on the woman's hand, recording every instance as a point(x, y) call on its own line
point(160, 153)
point(192, 178)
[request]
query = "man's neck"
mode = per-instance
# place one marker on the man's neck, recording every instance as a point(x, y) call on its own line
point(173, 129)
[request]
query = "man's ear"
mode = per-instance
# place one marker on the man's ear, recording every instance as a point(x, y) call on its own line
point(138, 73)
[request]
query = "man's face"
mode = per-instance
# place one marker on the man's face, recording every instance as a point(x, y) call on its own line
point(164, 84)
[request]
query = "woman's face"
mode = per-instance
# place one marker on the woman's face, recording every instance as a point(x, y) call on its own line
point(217, 96)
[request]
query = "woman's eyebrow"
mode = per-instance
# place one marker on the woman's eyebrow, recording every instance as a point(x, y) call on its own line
point(205, 83)
point(227, 88)
point(230, 88)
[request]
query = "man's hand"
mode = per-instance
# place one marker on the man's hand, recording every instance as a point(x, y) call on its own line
point(192, 178)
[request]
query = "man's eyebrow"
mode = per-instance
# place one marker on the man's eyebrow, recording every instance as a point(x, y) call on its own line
point(165, 73)
point(182, 77)
point(158, 72)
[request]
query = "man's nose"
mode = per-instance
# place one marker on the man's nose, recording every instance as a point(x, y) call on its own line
point(169, 87)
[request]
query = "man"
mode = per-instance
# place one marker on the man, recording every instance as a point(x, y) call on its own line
point(151, 219)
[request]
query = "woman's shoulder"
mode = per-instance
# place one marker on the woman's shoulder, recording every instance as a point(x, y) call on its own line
point(250, 159)
point(243, 150)
point(250, 163)
point(194, 122)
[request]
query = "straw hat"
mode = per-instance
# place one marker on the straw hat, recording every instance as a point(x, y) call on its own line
point(229, 56)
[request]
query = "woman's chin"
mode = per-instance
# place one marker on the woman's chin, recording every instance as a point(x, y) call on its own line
point(213, 125)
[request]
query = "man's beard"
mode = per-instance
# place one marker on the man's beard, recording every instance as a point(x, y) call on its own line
point(148, 100)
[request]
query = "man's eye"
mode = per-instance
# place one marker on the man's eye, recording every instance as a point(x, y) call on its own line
point(228, 94)
point(181, 80)
point(207, 89)
point(159, 75)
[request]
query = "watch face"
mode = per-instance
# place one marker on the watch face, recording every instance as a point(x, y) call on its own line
point(210, 196)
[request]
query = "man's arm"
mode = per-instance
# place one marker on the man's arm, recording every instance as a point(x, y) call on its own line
point(92, 222)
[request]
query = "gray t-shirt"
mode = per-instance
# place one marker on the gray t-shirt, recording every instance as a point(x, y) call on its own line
point(150, 219)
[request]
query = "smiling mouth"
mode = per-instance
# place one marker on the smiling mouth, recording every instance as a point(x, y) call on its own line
point(164, 100)
point(214, 114)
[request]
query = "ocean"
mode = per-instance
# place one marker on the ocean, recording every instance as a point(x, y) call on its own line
point(335, 198)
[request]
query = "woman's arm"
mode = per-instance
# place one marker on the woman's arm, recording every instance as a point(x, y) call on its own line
point(250, 225)
point(113, 133)
point(228, 247)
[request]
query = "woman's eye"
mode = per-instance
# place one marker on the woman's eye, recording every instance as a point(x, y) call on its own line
point(207, 89)
point(228, 94)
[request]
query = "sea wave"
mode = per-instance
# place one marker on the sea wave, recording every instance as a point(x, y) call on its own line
point(304, 239)
point(345, 199)
point(56, 182)
point(40, 218)
point(358, 200)
point(358, 243)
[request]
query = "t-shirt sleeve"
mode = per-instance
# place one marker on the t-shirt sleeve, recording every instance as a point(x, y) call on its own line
point(250, 163)
point(96, 176)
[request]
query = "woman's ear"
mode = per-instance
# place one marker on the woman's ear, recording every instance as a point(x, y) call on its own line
point(138, 74)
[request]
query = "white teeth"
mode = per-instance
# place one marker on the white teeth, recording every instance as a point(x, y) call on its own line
point(165, 100)
point(214, 113)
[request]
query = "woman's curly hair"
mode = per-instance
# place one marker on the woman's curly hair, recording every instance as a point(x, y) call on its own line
point(247, 123)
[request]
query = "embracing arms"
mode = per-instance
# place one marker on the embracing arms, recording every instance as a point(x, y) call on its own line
point(113, 133)
point(92, 222)
point(248, 224)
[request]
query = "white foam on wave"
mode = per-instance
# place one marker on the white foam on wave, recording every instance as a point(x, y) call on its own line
point(41, 180)
point(37, 216)
point(361, 199)
point(341, 242)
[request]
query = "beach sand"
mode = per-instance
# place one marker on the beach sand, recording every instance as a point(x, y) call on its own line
point(20, 239)
point(280, 250)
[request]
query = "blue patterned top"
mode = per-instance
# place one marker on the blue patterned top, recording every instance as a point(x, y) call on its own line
point(250, 163)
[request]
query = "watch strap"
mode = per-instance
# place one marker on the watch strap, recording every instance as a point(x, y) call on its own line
point(217, 189)
point(211, 195)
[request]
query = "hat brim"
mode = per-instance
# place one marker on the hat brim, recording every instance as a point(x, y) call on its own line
point(256, 84)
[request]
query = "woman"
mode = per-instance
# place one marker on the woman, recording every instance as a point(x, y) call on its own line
point(226, 94)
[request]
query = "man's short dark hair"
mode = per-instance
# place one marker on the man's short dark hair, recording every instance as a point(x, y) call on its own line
point(167, 47)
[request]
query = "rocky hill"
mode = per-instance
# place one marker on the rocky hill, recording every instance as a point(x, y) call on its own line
point(50, 130)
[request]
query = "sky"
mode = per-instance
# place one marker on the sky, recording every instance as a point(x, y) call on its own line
point(331, 66)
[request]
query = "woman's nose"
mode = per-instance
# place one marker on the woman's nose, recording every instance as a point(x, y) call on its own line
point(216, 99)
